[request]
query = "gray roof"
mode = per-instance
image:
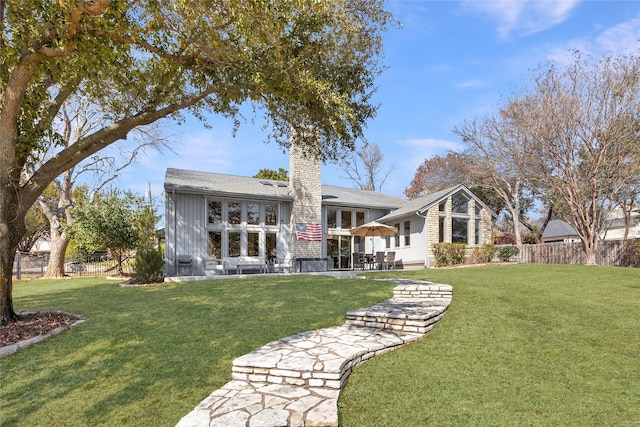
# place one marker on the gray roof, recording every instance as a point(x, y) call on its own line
point(421, 204)
point(187, 181)
point(343, 196)
point(556, 228)
point(216, 184)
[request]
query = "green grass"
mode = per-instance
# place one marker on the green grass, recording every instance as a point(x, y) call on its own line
point(147, 356)
point(520, 345)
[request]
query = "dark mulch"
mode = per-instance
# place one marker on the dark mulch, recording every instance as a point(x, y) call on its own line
point(30, 325)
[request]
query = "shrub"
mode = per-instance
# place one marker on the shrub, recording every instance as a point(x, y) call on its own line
point(148, 266)
point(632, 251)
point(505, 253)
point(449, 253)
point(483, 254)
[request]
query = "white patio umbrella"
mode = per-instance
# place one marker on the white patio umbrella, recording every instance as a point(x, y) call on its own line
point(373, 229)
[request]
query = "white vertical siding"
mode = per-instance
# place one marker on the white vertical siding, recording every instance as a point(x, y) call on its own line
point(413, 254)
point(186, 219)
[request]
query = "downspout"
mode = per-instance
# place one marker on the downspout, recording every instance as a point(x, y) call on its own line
point(426, 239)
point(175, 230)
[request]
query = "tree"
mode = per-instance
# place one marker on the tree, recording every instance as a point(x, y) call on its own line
point(437, 173)
point(364, 168)
point(279, 175)
point(496, 155)
point(440, 172)
point(583, 124)
point(110, 223)
point(77, 118)
point(301, 63)
point(36, 226)
point(149, 265)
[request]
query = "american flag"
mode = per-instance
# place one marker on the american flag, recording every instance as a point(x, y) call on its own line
point(310, 232)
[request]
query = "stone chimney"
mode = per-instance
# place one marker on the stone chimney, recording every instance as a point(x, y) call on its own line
point(306, 188)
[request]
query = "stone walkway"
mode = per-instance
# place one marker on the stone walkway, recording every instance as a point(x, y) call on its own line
point(296, 381)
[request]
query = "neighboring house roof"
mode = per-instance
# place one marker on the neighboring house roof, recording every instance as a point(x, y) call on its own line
point(558, 229)
point(422, 204)
point(235, 186)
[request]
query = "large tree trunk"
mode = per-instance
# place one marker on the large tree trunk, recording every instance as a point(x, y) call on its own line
point(10, 236)
point(59, 243)
point(7, 256)
point(590, 251)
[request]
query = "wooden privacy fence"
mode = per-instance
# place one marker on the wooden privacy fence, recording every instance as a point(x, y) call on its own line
point(618, 253)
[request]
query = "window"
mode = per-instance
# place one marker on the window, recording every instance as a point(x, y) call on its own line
point(459, 204)
point(253, 214)
point(478, 231)
point(271, 249)
point(441, 223)
point(215, 212)
point(359, 218)
point(332, 221)
point(407, 233)
point(271, 214)
point(346, 220)
point(235, 213)
point(253, 243)
point(387, 241)
point(459, 230)
point(442, 206)
point(234, 243)
point(215, 244)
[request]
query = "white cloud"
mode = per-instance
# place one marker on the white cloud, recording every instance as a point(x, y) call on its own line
point(619, 39)
point(431, 146)
point(420, 149)
point(524, 17)
point(470, 84)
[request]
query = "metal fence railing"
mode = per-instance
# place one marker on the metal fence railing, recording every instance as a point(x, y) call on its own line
point(33, 266)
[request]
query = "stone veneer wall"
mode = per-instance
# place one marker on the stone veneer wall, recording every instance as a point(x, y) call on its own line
point(306, 187)
point(433, 227)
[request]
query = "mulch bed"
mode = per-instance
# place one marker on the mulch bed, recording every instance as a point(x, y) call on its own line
point(30, 325)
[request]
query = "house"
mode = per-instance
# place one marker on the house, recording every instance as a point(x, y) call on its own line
point(221, 223)
point(617, 227)
point(558, 230)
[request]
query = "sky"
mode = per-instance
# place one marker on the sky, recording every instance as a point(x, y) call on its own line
point(450, 61)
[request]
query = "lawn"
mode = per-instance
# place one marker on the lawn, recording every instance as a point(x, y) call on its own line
point(147, 356)
point(520, 345)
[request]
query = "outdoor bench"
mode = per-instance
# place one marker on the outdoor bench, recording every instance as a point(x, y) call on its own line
point(243, 263)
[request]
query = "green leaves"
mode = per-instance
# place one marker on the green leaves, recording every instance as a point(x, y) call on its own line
point(108, 224)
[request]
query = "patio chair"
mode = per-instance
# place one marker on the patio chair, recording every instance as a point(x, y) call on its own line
point(390, 261)
point(358, 261)
point(284, 264)
point(380, 260)
point(183, 262)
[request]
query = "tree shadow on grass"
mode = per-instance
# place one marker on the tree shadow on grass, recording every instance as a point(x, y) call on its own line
point(147, 356)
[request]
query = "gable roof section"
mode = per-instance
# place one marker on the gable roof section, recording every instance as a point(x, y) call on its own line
point(422, 204)
point(221, 185)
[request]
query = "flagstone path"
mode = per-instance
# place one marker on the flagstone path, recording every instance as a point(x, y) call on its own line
point(296, 381)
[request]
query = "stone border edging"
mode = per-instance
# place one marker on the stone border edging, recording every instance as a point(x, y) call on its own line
point(10, 349)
